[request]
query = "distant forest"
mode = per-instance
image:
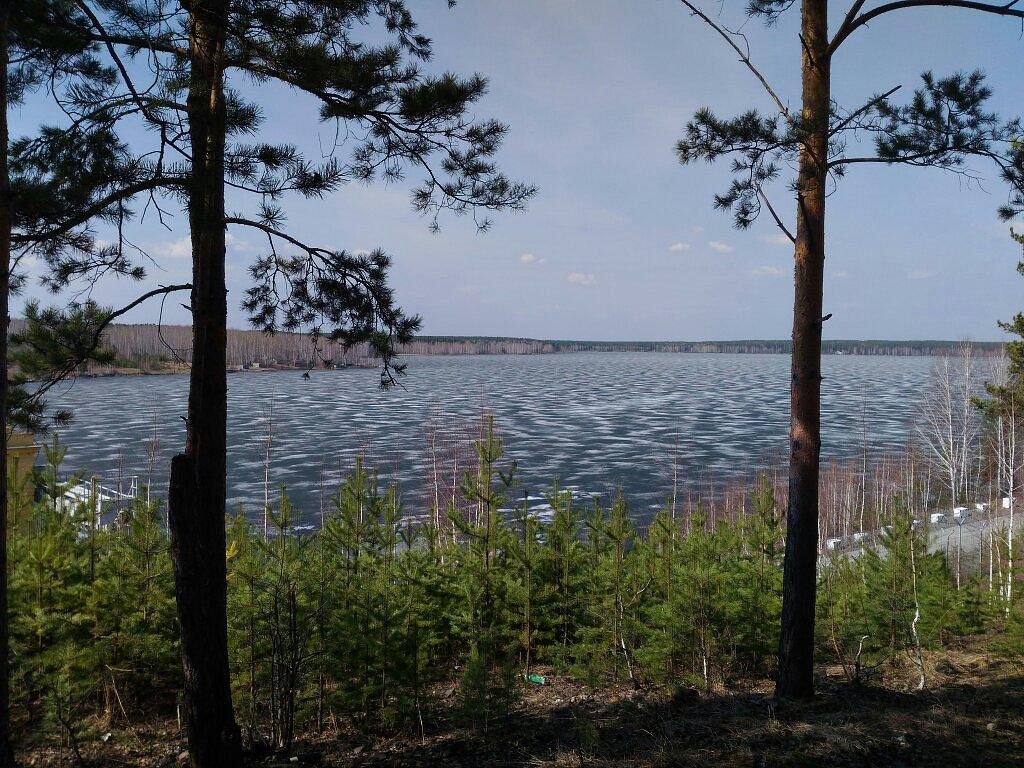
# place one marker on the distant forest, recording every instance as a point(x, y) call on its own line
point(152, 348)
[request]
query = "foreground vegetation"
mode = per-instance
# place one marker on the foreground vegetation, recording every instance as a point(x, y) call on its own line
point(375, 627)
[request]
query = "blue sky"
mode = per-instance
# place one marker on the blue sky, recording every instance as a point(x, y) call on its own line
point(622, 242)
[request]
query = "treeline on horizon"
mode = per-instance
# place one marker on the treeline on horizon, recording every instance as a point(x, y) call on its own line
point(151, 347)
point(902, 348)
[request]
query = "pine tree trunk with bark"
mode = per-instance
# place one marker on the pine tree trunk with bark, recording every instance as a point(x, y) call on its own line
point(796, 649)
point(6, 201)
point(198, 485)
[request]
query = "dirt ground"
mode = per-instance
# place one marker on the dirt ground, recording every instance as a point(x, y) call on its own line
point(972, 714)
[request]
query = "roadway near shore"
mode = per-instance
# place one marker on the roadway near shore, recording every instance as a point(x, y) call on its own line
point(947, 534)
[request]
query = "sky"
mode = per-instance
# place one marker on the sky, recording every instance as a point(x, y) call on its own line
point(622, 242)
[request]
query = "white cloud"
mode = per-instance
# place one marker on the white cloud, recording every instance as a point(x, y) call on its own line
point(762, 271)
point(237, 245)
point(529, 258)
point(776, 239)
point(920, 274)
point(581, 278)
point(696, 230)
point(718, 247)
point(182, 247)
point(172, 249)
point(679, 247)
point(842, 274)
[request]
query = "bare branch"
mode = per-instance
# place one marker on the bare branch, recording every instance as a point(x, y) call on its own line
point(163, 290)
point(727, 35)
point(850, 17)
point(858, 112)
point(850, 26)
point(778, 220)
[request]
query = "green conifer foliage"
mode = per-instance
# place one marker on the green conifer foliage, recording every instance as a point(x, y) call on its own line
point(488, 616)
point(287, 619)
point(51, 628)
point(562, 568)
point(134, 645)
point(757, 584)
point(529, 595)
point(608, 639)
point(246, 640)
point(695, 614)
point(379, 623)
point(893, 601)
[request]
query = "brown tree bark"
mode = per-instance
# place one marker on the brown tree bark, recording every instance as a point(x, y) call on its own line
point(6, 201)
point(198, 484)
point(796, 647)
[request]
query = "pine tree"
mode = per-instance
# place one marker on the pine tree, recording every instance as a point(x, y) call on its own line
point(841, 622)
point(410, 119)
point(345, 535)
point(893, 602)
point(487, 684)
point(944, 123)
point(660, 550)
point(607, 643)
point(51, 624)
point(1002, 414)
point(757, 584)
point(893, 579)
point(288, 620)
point(134, 638)
point(48, 185)
point(247, 640)
point(425, 602)
point(528, 590)
point(563, 568)
point(697, 611)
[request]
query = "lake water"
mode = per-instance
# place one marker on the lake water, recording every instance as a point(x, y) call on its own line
point(597, 421)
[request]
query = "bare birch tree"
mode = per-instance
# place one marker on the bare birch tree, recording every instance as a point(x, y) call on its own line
point(948, 426)
point(1009, 462)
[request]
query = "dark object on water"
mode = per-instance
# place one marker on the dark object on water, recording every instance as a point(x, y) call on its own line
point(305, 375)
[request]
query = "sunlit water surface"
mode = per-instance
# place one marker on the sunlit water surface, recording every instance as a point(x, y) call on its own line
point(597, 421)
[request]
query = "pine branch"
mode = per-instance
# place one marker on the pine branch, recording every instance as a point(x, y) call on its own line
point(81, 349)
point(97, 209)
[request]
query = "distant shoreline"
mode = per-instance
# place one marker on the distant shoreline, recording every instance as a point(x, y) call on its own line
point(150, 349)
point(132, 363)
point(874, 347)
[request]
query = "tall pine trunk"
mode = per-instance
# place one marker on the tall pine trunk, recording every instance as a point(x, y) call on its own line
point(796, 648)
point(198, 485)
point(6, 202)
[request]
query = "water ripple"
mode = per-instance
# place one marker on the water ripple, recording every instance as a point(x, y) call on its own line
point(599, 421)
